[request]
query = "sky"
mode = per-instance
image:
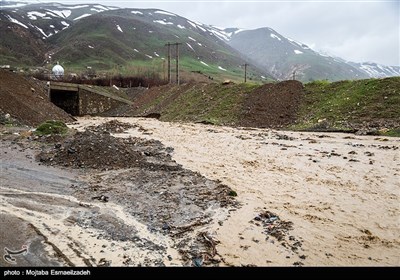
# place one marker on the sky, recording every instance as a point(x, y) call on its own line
point(358, 31)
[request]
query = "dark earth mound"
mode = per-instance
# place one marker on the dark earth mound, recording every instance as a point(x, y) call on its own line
point(272, 105)
point(26, 100)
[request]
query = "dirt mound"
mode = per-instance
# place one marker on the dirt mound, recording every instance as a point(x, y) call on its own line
point(141, 176)
point(97, 149)
point(26, 100)
point(272, 105)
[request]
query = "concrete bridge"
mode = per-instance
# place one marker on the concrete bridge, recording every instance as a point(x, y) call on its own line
point(79, 100)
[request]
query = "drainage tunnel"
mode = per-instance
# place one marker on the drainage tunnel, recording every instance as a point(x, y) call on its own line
point(65, 96)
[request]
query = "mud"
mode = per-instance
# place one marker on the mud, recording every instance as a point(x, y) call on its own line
point(123, 195)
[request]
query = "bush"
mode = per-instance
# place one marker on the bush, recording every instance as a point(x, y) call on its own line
point(51, 127)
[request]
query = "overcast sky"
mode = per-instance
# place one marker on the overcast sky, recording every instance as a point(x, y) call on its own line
point(357, 30)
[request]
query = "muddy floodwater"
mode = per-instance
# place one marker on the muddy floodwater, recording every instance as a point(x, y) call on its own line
point(140, 192)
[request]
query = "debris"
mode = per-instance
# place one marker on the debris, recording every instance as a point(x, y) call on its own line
point(102, 198)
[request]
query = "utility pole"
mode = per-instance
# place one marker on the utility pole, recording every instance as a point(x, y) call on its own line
point(163, 68)
point(245, 72)
point(169, 62)
point(177, 62)
point(294, 75)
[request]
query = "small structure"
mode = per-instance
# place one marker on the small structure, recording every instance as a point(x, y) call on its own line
point(58, 71)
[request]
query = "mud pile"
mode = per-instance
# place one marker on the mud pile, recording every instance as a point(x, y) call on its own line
point(272, 105)
point(140, 175)
point(26, 100)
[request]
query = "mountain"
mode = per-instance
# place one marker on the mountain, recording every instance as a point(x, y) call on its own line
point(375, 70)
point(25, 28)
point(110, 39)
point(284, 57)
point(122, 40)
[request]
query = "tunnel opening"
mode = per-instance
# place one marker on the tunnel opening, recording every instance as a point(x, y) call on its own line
point(66, 100)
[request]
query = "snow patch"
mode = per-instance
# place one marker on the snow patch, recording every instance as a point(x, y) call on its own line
point(198, 25)
point(221, 34)
point(82, 16)
point(156, 54)
point(66, 24)
point(33, 15)
point(275, 37)
point(119, 28)
point(41, 31)
point(192, 24)
point(135, 50)
point(78, 7)
point(298, 52)
point(192, 39)
point(199, 44)
point(51, 26)
point(13, 20)
point(101, 7)
point(181, 27)
point(220, 68)
point(190, 46)
point(262, 77)
point(62, 13)
point(202, 62)
point(149, 56)
point(162, 22)
point(165, 13)
point(90, 47)
point(136, 12)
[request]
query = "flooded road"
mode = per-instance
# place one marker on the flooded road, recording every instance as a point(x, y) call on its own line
point(310, 199)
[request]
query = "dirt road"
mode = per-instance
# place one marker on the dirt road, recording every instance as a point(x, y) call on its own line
point(312, 199)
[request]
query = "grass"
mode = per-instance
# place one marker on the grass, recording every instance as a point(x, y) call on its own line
point(337, 104)
point(215, 104)
point(51, 127)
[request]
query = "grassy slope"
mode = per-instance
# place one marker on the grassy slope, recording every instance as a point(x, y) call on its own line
point(348, 104)
point(344, 105)
point(198, 102)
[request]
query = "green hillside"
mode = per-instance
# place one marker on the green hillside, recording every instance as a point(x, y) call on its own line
point(365, 106)
point(372, 105)
point(126, 42)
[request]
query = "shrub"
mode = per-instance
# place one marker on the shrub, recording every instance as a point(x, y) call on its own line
point(51, 127)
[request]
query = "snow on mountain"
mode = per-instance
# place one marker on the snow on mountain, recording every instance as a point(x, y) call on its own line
point(272, 35)
point(59, 15)
point(13, 20)
point(47, 19)
point(375, 70)
point(165, 13)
